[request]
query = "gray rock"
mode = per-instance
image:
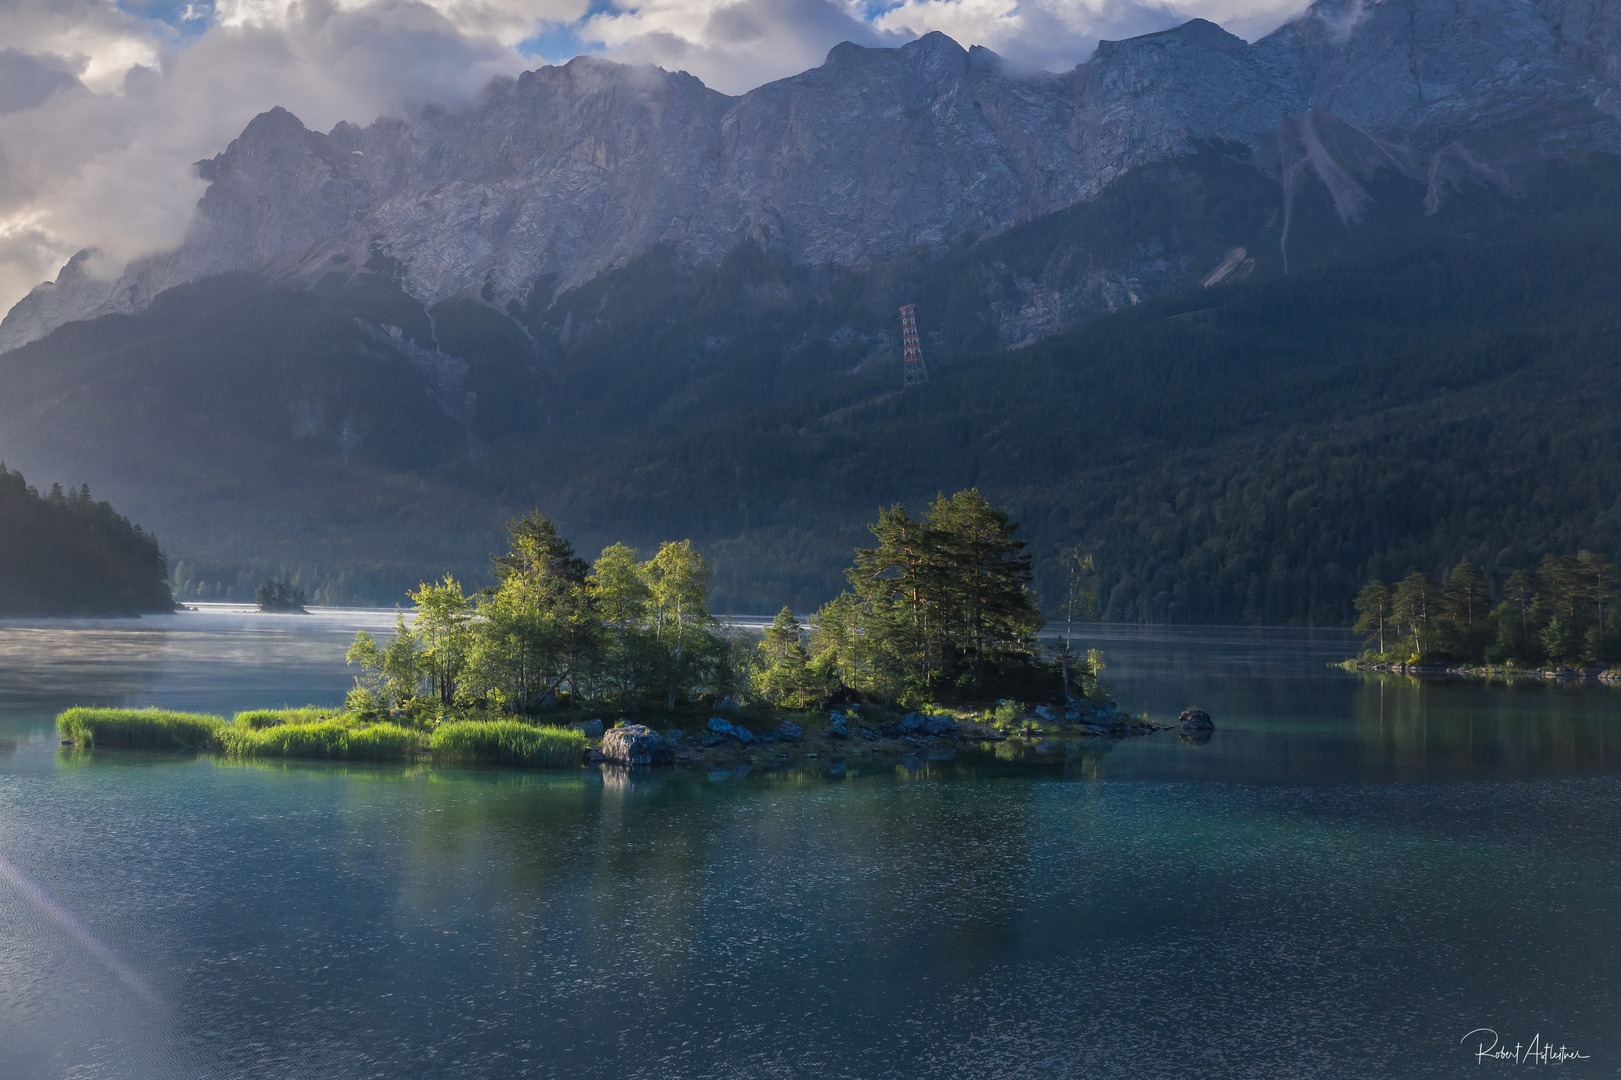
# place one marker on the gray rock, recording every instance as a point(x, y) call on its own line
point(709, 741)
point(788, 731)
point(1044, 713)
point(591, 729)
point(912, 721)
point(719, 726)
point(741, 734)
point(869, 734)
point(837, 730)
point(571, 170)
point(938, 725)
point(1196, 720)
point(636, 744)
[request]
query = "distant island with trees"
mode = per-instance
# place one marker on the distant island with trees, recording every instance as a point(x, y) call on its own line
point(64, 553)
point(1562, 615)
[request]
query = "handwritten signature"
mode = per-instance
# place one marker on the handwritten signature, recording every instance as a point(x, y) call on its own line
point(1534, 1052)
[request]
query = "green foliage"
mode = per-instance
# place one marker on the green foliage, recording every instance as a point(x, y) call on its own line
point(1564, 613)
point(782, 674)
point(945, 599)
point(149, 728)
point(63, 554)
point(506, 742)
point(552, 629)
point(264, 718)
point(1374, 615)
point(323, 739)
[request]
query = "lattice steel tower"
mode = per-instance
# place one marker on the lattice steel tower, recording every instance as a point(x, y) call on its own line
point(913, 373)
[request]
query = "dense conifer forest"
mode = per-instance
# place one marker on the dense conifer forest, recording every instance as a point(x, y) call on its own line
point(1419, 390)
point(64, 553)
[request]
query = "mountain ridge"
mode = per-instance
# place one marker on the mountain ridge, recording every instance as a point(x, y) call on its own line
point(562, 173)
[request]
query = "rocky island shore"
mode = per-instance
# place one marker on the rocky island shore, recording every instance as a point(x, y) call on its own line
point(842, 733)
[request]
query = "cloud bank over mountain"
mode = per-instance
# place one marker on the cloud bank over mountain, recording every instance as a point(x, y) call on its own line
point(105, 106)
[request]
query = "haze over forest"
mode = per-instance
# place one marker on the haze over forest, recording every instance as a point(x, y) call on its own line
point(1252, 322)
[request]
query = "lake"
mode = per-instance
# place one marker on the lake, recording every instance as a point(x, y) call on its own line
point(1352, 875)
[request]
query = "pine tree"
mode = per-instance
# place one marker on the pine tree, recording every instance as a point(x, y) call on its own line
point(783, 675)
point(1465, 605)
point(982, 578)
point(1417, 603)
point(1373, 612)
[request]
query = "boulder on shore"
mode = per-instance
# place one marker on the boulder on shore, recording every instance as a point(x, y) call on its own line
point(788, 731)
point(729, 730)
point(591, 729)
point(1196, 720)
point(637, 744)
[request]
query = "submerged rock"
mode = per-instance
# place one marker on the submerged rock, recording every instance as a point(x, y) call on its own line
point(1196, 720)
point(636, 744)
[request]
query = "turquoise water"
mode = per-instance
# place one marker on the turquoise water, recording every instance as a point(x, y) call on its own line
point(1350, 876)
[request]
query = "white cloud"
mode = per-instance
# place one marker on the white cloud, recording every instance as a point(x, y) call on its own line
point(103, 112)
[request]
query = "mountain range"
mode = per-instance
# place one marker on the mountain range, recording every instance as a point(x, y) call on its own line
point(584, 287)
point(550, 179)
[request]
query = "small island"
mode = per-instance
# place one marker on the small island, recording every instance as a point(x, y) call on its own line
point(281, 596)
point(1557, 621)
point(564, 662)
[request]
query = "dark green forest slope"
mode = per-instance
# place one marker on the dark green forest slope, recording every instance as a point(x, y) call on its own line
point(1420, 389)
point(63, 553)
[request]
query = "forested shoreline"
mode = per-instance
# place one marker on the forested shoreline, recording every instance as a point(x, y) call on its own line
point(65, 553)
point(1563, 614)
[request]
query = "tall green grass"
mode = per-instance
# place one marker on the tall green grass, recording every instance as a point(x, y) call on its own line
point(265, 718)
point(506, 742)
point(152, 728)
point(323, 739)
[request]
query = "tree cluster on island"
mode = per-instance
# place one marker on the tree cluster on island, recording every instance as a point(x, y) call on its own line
point(65, 553)
point(939, 609)
point(280, 596)
point(1563, 613)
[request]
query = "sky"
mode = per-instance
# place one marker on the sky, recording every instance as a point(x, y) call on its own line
point(106, 104)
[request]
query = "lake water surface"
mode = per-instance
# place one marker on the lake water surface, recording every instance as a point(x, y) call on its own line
point(1350, 876)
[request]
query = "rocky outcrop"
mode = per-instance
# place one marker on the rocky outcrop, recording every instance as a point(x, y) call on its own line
point(1196, 720)
point(636, 744)
point(551, 178)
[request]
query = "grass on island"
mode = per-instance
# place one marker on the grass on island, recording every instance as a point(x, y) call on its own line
point(155, 729)
point(506, 742)
point(331, 738)
point(325, 734)
point(265, 718)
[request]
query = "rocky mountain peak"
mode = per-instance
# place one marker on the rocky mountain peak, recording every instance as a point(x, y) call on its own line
point(567, 171)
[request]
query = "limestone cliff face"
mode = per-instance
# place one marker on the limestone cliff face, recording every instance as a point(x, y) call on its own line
point(549, 179)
